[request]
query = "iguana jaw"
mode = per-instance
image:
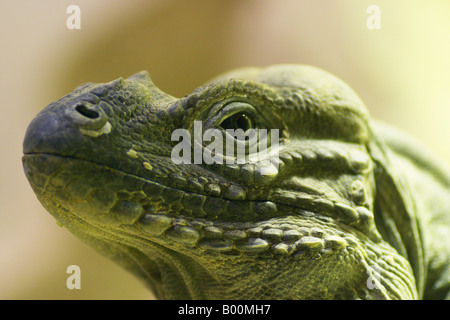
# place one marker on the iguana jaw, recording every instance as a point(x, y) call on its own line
point(124, 200)
point(131, 219)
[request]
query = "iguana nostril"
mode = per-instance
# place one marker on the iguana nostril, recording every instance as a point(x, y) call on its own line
point(85, 111)
point(87, 116)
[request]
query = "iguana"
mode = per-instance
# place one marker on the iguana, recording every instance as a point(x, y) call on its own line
point(347, 208)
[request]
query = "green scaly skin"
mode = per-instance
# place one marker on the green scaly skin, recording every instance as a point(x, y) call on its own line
point(355, 210)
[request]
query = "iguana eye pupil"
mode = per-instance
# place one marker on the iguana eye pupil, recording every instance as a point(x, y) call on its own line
point(239, 120)
point(243, 122)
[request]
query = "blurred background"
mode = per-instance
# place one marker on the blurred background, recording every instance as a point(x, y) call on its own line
point(401, 71)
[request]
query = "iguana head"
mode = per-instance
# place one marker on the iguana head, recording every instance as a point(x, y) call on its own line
point(296, 223)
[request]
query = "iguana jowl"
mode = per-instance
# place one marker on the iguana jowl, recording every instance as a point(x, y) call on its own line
point(353, 210)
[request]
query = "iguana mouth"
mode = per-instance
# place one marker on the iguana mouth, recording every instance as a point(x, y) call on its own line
point(172, 216)
point(130, 218)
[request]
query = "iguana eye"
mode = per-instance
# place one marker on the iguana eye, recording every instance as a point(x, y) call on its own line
point(240, 120)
